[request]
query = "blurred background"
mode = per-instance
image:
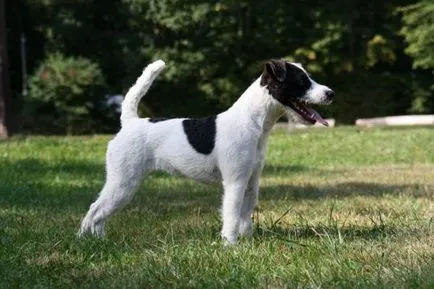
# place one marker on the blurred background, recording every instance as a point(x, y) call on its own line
point(63, 61)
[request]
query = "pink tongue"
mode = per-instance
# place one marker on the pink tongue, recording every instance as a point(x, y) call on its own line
point(317, 117)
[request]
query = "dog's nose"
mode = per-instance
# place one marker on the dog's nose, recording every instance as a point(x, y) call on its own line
point(330, 94)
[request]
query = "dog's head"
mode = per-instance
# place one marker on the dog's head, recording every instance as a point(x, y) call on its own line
point(292, 87)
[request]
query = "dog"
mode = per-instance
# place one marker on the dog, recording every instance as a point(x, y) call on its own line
point(228, 148)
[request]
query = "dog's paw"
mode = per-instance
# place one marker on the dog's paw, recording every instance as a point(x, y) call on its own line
point(229, 240)
point(246, 227)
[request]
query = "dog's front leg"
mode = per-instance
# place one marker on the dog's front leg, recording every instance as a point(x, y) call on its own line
point(232, 202)
point(251, 195)
point(249, 203)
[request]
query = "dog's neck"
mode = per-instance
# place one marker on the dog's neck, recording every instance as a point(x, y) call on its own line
point(258, 106)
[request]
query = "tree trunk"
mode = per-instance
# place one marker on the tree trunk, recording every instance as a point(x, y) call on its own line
point(4, 77)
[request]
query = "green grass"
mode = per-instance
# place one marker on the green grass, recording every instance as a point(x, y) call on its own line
point(340, 208)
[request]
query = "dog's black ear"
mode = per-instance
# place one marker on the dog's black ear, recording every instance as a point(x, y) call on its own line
point(276, 69)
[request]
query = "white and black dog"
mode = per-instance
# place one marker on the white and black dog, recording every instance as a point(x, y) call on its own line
point(228, 148)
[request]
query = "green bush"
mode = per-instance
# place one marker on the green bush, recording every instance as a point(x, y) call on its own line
point(64, 93)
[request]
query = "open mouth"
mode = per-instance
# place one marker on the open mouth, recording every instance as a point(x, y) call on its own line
point(308, 113)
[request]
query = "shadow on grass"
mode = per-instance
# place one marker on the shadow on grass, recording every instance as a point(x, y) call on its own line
point(343, 190)
point(75, 184)
point(34, 169)
point(332, 232)
point(35, 183)
point(271, 169)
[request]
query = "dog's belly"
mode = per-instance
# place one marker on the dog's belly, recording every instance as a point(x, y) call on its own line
point(204, 176)
point(205, 172)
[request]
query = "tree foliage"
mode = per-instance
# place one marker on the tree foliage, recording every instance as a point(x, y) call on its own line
point(418, 31)
point(214, 49)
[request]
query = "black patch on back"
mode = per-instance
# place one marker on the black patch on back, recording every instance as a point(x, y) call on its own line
point(201, 133)
point(285, 81)
point(157, 119)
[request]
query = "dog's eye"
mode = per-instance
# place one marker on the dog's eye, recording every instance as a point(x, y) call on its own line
point(304, 80)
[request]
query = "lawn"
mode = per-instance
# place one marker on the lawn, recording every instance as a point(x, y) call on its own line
point(339, 208)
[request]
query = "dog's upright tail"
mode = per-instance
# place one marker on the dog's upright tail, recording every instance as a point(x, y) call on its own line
point(136, 92)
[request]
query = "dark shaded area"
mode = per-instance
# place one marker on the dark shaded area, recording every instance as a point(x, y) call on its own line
point(157, 119)
point(344, 190)
point(335, 232)
point(32, 183)
point(272, 169)
point(358, 48)
point(35, 168)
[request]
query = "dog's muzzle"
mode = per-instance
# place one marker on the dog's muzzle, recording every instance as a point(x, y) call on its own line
point(308, 113)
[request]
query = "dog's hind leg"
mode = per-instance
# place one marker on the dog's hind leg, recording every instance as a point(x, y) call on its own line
point(112, 197)
point(124, 174)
